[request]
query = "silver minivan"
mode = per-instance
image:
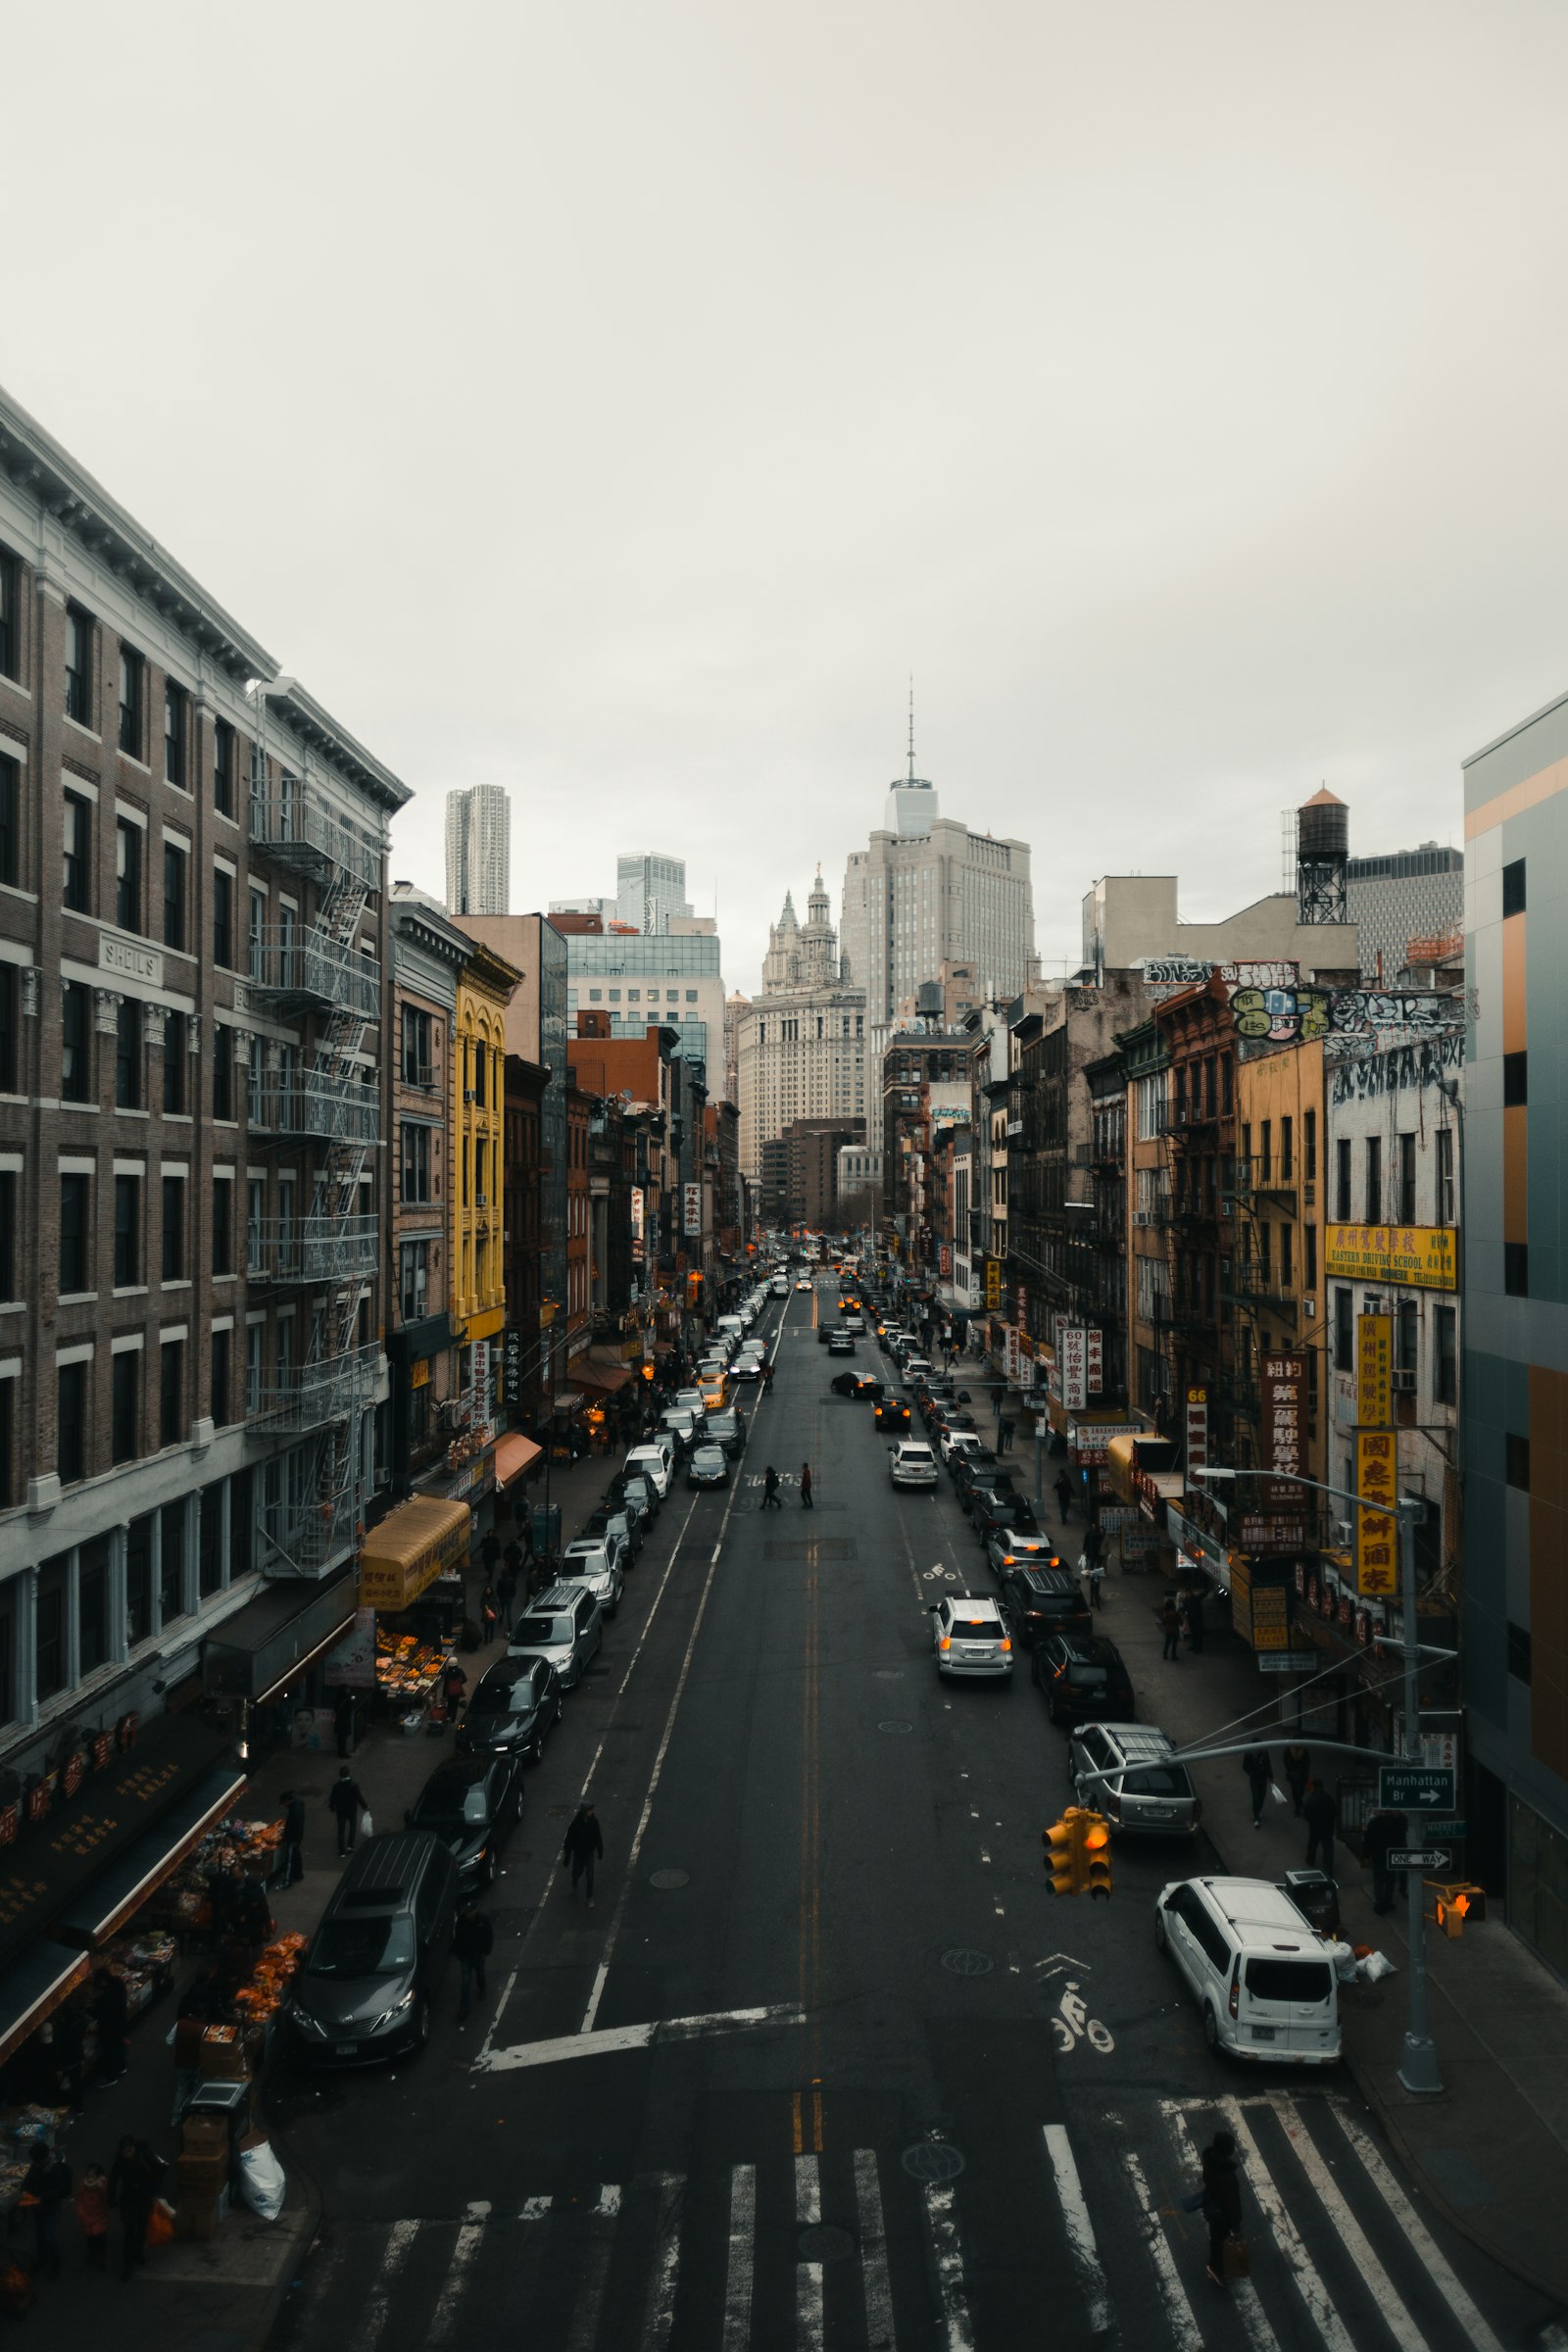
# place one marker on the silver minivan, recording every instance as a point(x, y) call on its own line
point(1144, 1787)
point(564, 1626)
point(1260, 1973)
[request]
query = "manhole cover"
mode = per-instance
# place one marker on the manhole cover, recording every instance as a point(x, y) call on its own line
point(824, 2241)
point(961, 1962)
point(933, 2160)
point(893, 1722)
point(670, 1878)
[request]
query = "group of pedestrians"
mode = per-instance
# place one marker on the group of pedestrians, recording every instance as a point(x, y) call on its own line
point(1181, 1618)
point(770, 1489)
point(129, 2189)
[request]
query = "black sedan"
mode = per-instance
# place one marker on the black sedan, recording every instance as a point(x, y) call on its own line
point(892, 1414)
point(514, 1704)
point(859, 1384)
point(973, 1466)
point(471, 1804)
point(841, 1342)
point(996, 1505)
point(1084, 1677)
point(708, 1467)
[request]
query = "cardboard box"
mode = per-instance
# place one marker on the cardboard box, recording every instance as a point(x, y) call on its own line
point(209, 2169)
point(200, 2212)
point(222, 2053)
point(204, 2135)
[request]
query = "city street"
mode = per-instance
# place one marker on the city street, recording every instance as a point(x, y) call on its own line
point(826, 2064)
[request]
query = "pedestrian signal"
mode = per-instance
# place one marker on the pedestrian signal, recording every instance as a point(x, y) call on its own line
point(1456, 1901)
point(1062, 1858)
point(1095, 1831)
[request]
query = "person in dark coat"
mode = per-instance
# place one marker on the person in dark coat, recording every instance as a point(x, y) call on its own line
point(66, 2046)
point(1064, 1496)
point(47, 2183)
point(114, 2017)
point(1222, 2200)
point(770, 1489)
point(507, 1589)
point(1322, 1814)
point(1297, 1767)
point(1259, 1772)
point(453, 1684)
point(293, 1837)
point(133, 2188)
point(206, 1997)
point(343, 1722)
point(471, 1940)
point(1383, 1832)
point(489, 1613)
point(584, 1846)
point(490, 1556)
point(805, 1486)
point(346, 1800)
point(1172, 1623)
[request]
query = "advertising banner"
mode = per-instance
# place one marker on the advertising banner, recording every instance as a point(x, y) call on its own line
point(1422, 1257)
point(693, 1219)
point(351, 1666)
point(1072, 1367)
point(1196, 1425)
point(1377, 1564)
point(1374, 1362)
point(637, 1224)
point(1097, 1360)
point(1284, 1389)
point(1271, 1617)
point(993, 1283)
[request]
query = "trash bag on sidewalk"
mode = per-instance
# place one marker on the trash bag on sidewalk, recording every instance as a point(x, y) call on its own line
point(260, 2181)
point(1374, 1968)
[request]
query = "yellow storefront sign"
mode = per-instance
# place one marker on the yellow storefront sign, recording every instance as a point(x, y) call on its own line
point(1374, 1366)
point(410, 1550)
point(1376, 1539)
point(1422, 1257)
point(1271, 1617)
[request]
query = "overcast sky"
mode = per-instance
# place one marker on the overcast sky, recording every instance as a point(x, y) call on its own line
point(618, 402)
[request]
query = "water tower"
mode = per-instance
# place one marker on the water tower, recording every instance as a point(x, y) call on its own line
point(1322, 854)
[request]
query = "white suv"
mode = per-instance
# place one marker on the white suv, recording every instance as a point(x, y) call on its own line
point(969, 1637)
point(1265, 1981)
point(912, 1463)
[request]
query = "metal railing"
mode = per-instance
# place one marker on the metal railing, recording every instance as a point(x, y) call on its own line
point(1260, 1175)
point(299, 827)
point(306, 1395)
point(312, 1248)
point(309, 967)
point(307, 1103)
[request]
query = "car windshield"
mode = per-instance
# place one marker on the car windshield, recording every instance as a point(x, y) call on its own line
point(501, 1699)
point(1156, 1779)
point(1289, 1980)
point(541, 1629)
point(370, 1946)
point(1087, 1677)
point(708, 1457)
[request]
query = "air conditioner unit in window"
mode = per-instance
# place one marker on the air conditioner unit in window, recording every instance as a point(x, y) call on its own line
point(1142, 1216)
point(1402, 1382)
point(1342, 1531)
point(1309, 1307)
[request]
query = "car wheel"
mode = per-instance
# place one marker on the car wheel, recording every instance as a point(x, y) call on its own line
point(1211, 2030)
point(421, 2027)
point(1162, 1938)
point(1052, 1711)
point(535, 1749)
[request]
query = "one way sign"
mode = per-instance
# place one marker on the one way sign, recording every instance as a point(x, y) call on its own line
point(1419, 1857)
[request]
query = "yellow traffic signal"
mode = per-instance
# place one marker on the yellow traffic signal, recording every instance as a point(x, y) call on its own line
point(1063, 1860)
point(1095, 1831)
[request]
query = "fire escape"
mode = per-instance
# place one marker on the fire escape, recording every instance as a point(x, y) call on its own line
point(323, 1099)
point(1259, 1285)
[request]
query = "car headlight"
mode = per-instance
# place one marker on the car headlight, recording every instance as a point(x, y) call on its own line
point(307, 2023)
point(398, 2009)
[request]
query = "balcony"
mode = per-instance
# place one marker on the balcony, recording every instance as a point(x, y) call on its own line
point(1184, 1116)
point(301, 1397)
point(300, 828)
point(306, 1103)
point(1252, 1284)
point(1181, 1314)
point(312, 1249)
point(309, 969)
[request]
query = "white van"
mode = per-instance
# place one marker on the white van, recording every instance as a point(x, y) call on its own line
point(1263, 1978)
point(653, 1460)
point(730, 1328)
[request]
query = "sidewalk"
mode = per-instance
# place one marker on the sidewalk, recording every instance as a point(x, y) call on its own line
point(224, 2293)
point(1492, 2151)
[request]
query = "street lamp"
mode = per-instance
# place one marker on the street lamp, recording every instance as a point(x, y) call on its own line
point(1419, 2071)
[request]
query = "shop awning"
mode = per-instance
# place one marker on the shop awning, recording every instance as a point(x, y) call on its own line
point(45, 1872)
point(269, 1642)
point(410, 1548)
point(513, 1455)
point(431, 1335)
point(601, 1372)
point(32, 1986)
point(105, 1904)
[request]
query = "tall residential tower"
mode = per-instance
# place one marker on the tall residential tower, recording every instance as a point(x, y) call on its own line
point(479, 851)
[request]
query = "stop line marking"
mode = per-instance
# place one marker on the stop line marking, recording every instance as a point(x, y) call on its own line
point(609, 2042)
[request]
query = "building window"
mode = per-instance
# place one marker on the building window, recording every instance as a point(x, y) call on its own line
point(1408, 1338)
point(1287, 1151)
point(122, 1447)
point(219, 1382)
point(92, 1607)
point(171, 1391)
point(1513, 887)
point(1309, 1256)
point(223, 918)
point(223, 768)
point(223, 1074)
point(174, 714)
point(7, 1236)
point(414, 1268)
point(1374, 1179)
point(79, 665)
point(77, 877)
point(76, 1041)
point(10, 614)
point(1344, 1332)
point(174, 1050)
point(417, 1064)
point(1446, 1355)
point(49, 1644)
point(223, 1225)
point(127, 1054)
point(70, 1429)
point(127, 873)
point(255, 1344)
point(1519, 1653)
point(9, 1006)
point(174, 1249)
point(210, 1540)
point(10, 819)
point(1343, 1207)
point(1445, 1196)
point(1515, 1080)
point(1516, 1460)
point(127, 1232)
point(133, 681)
point(138, 1580)
point(416, 1162)
point(172, 1565)
point(175, 871)
point(1516, 1269)
point(257, 934)
point(481, 1075)
point(1310, 1146)
point(76, 1213)
point(1406, 1151)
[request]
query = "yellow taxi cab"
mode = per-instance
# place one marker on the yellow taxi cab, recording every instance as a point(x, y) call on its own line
point(715, 1391)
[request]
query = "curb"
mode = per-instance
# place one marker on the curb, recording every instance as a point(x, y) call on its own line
point(303, 2240)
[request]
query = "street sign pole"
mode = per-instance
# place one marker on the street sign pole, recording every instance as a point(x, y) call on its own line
point(1419, 2071)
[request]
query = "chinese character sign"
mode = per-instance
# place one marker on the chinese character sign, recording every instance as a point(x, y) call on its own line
point(1197, 1431)
point(1072, 1356)
point(694, 1208)
point(1377, 1563)
point(1284, 1392)
point(1374, 1360)
point(993, 1282)
point(1094, 1357)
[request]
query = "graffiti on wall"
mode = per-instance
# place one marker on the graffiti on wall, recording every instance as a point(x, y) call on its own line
point(1417, 1065)
point(1285, 1015)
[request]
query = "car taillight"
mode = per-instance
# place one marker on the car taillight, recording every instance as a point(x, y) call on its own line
point(1235, 2003)
point(944, 1642)
point(1007, 1560)
point(1004, 1642)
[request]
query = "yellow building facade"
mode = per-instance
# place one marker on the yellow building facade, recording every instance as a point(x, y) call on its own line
point(1279, 1231)
point(478, 1163)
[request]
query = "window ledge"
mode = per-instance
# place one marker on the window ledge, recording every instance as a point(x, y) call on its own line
point(132, 1290)
point(76, 1299)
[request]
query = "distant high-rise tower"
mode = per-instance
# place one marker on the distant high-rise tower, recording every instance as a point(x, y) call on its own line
point(650, 887)
point(479, 851)
point(1322, 854)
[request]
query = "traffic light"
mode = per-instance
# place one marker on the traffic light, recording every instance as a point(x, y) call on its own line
point(1095, 1831)
point(1453, 1902)
point(1062, 1856)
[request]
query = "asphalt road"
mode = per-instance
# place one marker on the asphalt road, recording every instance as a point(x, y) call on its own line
point(828, 2065)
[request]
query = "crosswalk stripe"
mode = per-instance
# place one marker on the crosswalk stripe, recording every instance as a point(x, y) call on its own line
point(809, 2312)
point(658, 2315)
point(1313, 2294)
point(400, 2240)
point(443, 2325)
point(1184, 2331)
point(874, 2278)
point(1080, 2228)
point(1400, 2326)
point(534, 2209)
point(942, 2222)
point(1482, 2337)
point(742, 2257)
point(1244, 2294)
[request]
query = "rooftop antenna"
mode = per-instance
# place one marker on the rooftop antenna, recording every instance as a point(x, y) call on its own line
point(912, 726)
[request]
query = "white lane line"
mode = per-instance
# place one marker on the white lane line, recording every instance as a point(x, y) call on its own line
point(602, 1974)
point(534, 2209)
point(810, 2318)
point(874, 2279)
point(941, 2221)
point(593, 2268)
point(659, 2312)
point(443, 2324)
point(1482, 2337)
point(1395, 2318)
point(1310, 2288)
point(742, 2258)
point(610, 2041)
point(379, 2302)
point(1080, 2228)
point(1181, 2326)
point(609, 2204)
point(1244, 2294)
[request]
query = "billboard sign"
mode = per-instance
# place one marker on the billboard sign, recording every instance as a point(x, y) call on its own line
point(1284, 1389)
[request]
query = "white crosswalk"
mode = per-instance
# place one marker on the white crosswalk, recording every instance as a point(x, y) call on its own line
point(848, 2251)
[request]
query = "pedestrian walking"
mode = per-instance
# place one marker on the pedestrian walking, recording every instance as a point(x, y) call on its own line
point(507, 1589)
point(490, 1556)
point(805, 1486)
point(1259, 1772)
point(1193, 1611)
point(92, 2215)
point(584, 1846)
point(1298, 1765)
point(133, 2178)
point(114, 2017)
point(1172, 1623)
point(1322, 1814)
point(345, 1799)
point(489, 1613)
point(1383, 1832)
point(343, 1722)
point(45, 2187)
point(1064, 1496)
point(293, 1837)
point(454, 1683)
point(471, 1939)
point(770, 1489)
point(1222, 2202)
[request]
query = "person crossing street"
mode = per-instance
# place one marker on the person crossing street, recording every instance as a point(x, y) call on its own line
point(805, 1486)
point(584, 1846)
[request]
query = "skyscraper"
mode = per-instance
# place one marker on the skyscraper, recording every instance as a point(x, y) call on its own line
point(800, 1047)
point(650, 889)
point(479, 851)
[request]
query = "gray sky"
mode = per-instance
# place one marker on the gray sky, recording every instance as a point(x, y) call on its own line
point(617, 404)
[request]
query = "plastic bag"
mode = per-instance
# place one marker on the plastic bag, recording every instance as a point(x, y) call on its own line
point(1277, 1793)
point(367, 1824)
point(260, 2181)
point(161, 2224)
point(1375, 1967)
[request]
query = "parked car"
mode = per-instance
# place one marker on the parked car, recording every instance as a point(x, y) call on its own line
point(708, 1467)
point(1083, 1676)
point(588, 1560)
point(1256, 1967)
point(779, 1286)
point(679, 1425)
point(724, 1429)
point(373, 1962)
point(471, 1803)
point(997, 1502)
point(841, 1342)
point(892, 1413)
point(969, 1637)
point(511, 1709)
point(691, 1400)
point(618, 1527)
point(912, 1464)
point(630, 1491)
point(564, 1627)
point(1043, 1600)
point(1145, 1787)
point(1010, 1546)
point(949, 1426)
point(653, 1460)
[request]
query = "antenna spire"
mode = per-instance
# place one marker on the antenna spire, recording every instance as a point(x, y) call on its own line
point(912, 726)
